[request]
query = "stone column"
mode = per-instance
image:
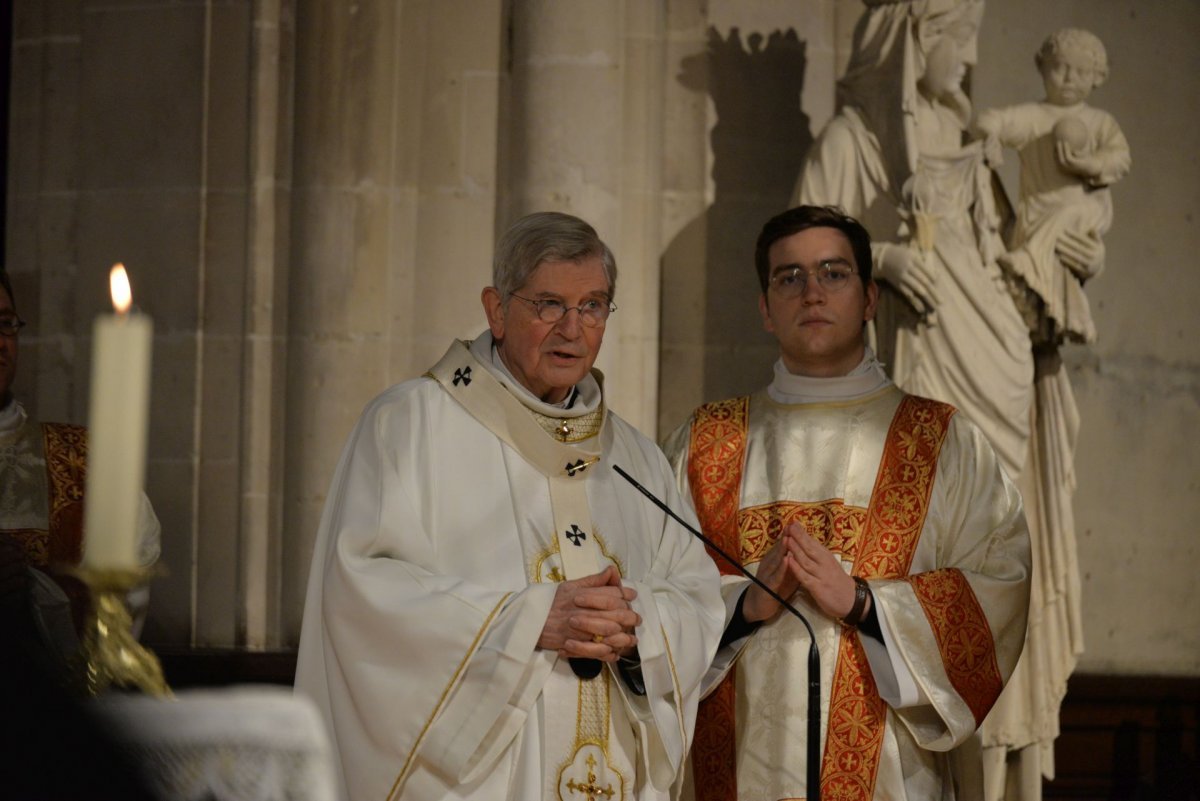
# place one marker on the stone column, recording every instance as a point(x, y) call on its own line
point(223, 39)
point(264, 346)
point(686, 198)
point(393, 220)
point(586, 132)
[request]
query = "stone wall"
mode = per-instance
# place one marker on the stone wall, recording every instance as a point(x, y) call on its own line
point(306, 193)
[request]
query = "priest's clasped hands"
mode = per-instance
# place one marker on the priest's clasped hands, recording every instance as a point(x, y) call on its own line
point(591, 618)
point(798, 561)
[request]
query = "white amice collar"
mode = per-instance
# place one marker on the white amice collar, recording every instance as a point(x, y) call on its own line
point(864, 379)
point(12, 420)
point(583, 399)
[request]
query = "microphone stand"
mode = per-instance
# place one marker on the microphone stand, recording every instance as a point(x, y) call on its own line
point(813, 775)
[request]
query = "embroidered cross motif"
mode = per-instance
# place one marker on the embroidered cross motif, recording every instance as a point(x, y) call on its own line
point(592, 789)
point(463, 374)
point(576, 536)
point(579, 465)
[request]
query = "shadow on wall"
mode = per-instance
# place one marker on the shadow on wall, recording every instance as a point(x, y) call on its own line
point(713, 344)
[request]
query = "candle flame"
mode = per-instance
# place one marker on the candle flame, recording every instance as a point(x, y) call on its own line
point(118, 284)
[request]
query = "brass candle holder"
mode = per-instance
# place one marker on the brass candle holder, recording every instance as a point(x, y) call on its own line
point(110, 656)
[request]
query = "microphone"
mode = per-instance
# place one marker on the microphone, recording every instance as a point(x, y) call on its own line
point(813, 775)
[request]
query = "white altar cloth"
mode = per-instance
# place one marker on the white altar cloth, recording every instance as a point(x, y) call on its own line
point(249, 743)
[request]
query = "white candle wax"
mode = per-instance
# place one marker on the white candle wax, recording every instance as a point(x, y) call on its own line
point(117, 421)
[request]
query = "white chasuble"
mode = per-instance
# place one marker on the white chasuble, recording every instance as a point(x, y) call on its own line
point(907, 495)
point(459, 502)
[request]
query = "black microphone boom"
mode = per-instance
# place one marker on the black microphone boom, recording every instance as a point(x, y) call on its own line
point(813, 775)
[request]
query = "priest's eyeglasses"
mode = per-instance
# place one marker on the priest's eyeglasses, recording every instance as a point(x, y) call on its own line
point(592, 313)
point(832, 276)
point(11, 325)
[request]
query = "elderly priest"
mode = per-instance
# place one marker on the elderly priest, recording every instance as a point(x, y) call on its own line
point(492, 612)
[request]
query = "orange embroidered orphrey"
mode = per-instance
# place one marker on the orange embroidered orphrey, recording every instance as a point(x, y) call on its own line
point(831, 522)
point(716, 456)
point(899, 503)
point(963, 636)
point(66, 474)
point(854, 737)
point(882, 541)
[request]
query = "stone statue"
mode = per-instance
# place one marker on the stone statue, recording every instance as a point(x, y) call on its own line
point(1070, 154)
point(894, 157)
point(956, 323)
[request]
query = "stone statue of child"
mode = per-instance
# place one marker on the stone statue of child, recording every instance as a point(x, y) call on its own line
point(1070, 153)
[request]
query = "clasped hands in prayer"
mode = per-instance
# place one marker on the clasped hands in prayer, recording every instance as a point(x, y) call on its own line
point(799, 562)
point(591, 618)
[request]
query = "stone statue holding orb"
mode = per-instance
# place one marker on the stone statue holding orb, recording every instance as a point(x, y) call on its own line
point(975, 318)
point(1070, 154)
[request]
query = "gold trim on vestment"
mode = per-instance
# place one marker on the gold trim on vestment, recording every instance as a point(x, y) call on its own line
point(716, 459)
point(577, 775)
point(563, 449)
point(964, 637)
point(592, 788)
point(591, 714)
point(674, 678)
point(593, 711)
point(895, 520)
point(497, 408)
point(555, 573)
point(445, 694)
point(831, 522)
point(572, 429)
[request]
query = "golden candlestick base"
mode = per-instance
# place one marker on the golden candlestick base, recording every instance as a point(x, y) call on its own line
point(111, 657)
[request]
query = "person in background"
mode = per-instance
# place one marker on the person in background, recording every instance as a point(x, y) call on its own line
point(43, 471)
point(52, 746)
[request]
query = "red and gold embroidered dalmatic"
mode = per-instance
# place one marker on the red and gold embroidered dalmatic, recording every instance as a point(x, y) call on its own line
point(909, 496)
point(43, 471)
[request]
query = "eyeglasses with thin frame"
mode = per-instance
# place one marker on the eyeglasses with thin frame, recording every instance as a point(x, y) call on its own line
point(592, 313)
point(11, 325)
point(832, 276)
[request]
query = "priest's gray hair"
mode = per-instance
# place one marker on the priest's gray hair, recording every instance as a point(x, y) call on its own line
point(547, 236)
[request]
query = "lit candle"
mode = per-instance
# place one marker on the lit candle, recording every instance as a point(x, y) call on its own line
point(117, 422)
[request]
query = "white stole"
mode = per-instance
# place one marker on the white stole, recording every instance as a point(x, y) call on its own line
point(589, 765)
